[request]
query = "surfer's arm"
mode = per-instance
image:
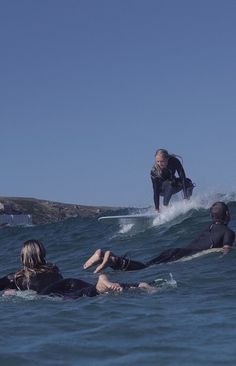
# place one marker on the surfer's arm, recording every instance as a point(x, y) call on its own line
point(229, 238)
point(156, 184)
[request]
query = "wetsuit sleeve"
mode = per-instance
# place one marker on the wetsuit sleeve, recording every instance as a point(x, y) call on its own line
point(126, 264)
point(156, 184)
point(229, 238)
point(181, 173)
point(7, 282)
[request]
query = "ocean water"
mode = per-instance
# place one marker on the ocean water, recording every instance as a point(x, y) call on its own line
point(188, 320)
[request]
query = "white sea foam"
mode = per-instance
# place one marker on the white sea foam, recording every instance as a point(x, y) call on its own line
point(165, 283)
point(125, 228)
point(176, 209)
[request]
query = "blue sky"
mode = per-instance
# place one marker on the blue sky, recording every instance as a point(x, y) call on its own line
point(90, 89)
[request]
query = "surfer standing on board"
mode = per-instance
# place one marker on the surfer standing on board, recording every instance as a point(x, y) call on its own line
point(164, 181)
point(217, 236)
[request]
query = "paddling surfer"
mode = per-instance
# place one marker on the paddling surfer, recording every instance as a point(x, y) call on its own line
point(45, 278)
point(216, 236)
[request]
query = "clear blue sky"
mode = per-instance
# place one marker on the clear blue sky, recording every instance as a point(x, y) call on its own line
point(90, 89)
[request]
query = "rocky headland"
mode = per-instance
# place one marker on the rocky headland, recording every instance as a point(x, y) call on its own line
point(44, 211)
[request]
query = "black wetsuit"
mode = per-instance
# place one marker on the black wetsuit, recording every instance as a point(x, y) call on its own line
point(49, 282)
point(217, 235)
point(165, 183)
point(70, 287)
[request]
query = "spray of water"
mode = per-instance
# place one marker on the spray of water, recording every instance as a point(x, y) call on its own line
point(175, 210)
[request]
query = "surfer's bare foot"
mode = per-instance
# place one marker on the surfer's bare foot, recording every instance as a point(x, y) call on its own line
point(94, 259)
point(105, 263)
point(104, 285)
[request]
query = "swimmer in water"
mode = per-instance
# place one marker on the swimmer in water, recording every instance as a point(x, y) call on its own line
point(164, 181)
point(216, 236)
point(45, 278)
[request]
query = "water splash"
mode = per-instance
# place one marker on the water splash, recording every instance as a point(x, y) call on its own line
point(125, 228)
point(166, 283)
point(177, 209)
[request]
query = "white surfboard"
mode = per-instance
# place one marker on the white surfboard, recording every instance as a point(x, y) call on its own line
point(127, 219)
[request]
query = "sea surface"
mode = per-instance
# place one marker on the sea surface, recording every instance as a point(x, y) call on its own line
point(190, 318)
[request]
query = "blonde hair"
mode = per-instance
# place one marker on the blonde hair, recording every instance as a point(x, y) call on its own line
point(33, 260)
point(163, 153)
point(166, 155)
point(33, 254)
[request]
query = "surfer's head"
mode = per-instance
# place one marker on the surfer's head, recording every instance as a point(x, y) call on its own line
point(33, 254)
point(220, 212)
point(161, 158)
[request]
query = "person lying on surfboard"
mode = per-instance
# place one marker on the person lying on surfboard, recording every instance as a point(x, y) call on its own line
point(164, 181)
point(216, 236)
point(45, 278)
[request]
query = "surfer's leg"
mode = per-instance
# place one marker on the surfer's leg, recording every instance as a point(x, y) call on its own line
point(150, 287)
point(70, 288)
point(104, 285)
point(171, 255)
point(168, 255)
point(106, 259)
point(130, 265)
point(106, 262)
point(169, 188)
point(189, 187)
point(119, 263)
point(94, 259)
point(167, 191)
point(73, 288)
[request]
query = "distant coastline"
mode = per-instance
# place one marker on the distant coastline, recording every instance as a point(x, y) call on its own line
point(45, 211)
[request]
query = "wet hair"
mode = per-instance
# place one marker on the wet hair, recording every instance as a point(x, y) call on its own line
point(162, 152)
point(33, 260)
point(33, 254)
point(220, 212)
point(166, 155)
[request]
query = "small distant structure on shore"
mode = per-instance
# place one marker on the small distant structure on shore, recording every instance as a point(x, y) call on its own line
point(11, 217)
